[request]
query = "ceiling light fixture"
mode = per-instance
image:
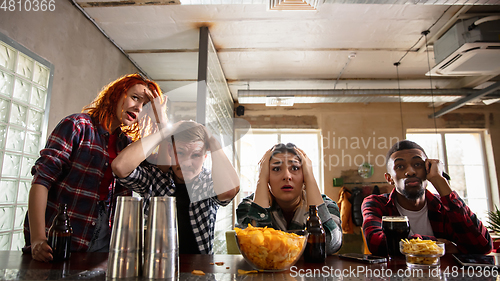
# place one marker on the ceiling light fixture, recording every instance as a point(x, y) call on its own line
point(490, 101)
point(295, 5)
point(280, 101)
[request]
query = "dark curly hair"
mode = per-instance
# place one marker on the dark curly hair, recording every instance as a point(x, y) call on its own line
point(284, 148)
point(403, 145)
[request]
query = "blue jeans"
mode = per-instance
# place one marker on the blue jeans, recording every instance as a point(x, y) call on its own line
point(102, 234)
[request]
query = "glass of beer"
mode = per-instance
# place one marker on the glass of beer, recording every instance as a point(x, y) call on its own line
point(395, 229)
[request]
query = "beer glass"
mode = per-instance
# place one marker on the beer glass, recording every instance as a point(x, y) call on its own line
point(395, 229)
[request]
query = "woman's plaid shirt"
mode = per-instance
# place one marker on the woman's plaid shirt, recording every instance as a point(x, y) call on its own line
point(71, 166)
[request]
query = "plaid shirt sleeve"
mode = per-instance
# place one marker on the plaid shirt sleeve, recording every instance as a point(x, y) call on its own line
point(460, 226)
point(374, 207)
point(330, 217)
point(250, 213)
point(57, 152)
point(203, 188)
point(149, 180)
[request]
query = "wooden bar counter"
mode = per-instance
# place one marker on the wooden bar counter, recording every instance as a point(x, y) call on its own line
point(92, 266)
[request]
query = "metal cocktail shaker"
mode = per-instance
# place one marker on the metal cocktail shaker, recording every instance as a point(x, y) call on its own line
point(126, 246)
point(161, 250)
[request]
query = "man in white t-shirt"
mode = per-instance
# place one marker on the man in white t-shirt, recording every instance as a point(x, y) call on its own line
point(443, 216)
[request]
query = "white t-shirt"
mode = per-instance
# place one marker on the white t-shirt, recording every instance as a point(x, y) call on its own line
point(419, 220)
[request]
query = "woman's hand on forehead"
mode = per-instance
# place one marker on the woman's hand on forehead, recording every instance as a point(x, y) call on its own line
point(149, 95)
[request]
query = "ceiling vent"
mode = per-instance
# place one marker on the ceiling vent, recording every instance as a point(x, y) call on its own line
point(296, 5)
point(468, 50)
point(471, 59)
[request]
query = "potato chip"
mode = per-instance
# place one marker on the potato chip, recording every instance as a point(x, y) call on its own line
point(242, 272)
point(197, 272)
point(268, 248)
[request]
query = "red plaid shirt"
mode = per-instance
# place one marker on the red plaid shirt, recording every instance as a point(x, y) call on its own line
point(450, 219)
point(72, 166)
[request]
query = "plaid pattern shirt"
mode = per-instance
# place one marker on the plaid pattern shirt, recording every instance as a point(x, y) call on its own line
point(149, 181)
point(250, 213)
point(71, 166)
point(450, 219)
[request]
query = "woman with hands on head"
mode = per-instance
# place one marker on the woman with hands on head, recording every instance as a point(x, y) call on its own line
point(285, 189)
point(74, 167)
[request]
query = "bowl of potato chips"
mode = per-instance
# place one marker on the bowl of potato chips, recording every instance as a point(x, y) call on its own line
point(421, 253)
point(269, 249)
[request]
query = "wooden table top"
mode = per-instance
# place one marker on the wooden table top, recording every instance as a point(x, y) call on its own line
point(92, 266)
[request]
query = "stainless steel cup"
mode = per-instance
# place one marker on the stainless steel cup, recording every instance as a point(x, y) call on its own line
point(126, 246)
point(161, 250)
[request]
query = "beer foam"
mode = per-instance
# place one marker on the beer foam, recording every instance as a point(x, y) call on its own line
point(394, 219)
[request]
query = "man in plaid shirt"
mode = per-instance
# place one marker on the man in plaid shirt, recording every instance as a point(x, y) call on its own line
point(443, 217)
point(198, 192)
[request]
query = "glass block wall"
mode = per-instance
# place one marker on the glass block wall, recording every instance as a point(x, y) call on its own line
point(25, 81)
point(219, 120)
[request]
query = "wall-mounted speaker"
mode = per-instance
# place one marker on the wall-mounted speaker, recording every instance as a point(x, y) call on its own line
point(240, 110)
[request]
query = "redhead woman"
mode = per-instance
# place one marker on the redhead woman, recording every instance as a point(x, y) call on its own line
point(74, 167)
point(285, 188)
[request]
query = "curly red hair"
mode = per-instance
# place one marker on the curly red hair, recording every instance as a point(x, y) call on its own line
point(103, 108)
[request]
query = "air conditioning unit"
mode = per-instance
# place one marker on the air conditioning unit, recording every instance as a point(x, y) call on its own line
point(464, 52)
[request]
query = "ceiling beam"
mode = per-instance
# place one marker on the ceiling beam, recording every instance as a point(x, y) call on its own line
point(128, 3)
point(241, 50)
point(466, 99)
point(161, 51)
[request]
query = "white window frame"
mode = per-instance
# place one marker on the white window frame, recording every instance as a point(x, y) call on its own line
point(492, 192)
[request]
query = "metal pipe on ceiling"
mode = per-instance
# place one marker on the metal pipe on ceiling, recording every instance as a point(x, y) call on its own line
point(331, 92)
point(436, 96)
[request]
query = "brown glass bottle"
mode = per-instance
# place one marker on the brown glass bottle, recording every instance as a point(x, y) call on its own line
point(316, 241)
point(60, 234)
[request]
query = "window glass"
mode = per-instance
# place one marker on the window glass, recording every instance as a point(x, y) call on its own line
point(24, 90)
point(462, 154)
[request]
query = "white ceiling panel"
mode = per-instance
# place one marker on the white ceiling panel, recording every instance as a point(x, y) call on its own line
point(169, 66)
point(287, 49)
point(179, 91)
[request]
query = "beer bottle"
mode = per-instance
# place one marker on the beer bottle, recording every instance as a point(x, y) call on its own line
point(60, 234)
point(316, 241)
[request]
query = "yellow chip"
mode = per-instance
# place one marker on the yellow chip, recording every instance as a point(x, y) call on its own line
point(197, 272)
point(418, 246)
point(241, 271)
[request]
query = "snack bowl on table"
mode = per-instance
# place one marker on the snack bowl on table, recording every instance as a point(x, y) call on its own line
point(422, 253)
point(268, 249)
